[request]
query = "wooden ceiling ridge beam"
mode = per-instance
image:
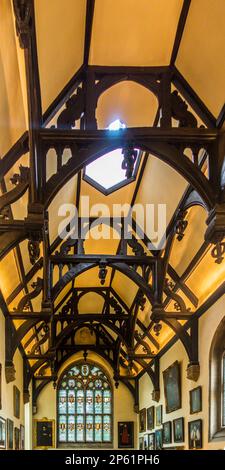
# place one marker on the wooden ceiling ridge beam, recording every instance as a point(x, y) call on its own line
point(180, 30)
point(88, 29)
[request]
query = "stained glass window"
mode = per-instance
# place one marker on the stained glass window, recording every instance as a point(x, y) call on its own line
point(84, 405)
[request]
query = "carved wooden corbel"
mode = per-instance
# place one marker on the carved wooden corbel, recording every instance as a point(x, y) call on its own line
point(23, 17)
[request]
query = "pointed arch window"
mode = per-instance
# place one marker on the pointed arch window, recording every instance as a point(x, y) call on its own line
point(84, 405)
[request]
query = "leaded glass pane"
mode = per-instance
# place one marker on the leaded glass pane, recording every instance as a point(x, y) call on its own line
point(71, 401)
point(62, 402)
point(80, 428)
point(98, 401)
point(89, 428)
point(62, 428)
point(98, 428)
point(80, 401)
point(84, 405)
point(106, 428)
point(71, 428)
point(106, 401)
point(89, 401)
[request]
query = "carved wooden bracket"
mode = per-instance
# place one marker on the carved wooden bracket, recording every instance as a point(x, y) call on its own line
point(23, 17)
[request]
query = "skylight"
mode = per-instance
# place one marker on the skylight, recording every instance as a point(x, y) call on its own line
point(106, 173)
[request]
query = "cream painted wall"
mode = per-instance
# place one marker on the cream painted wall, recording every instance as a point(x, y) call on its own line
point(123, 402)
point(7, 389)
point(207, 327)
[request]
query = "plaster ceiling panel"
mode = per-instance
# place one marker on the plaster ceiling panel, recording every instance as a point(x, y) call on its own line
point(67, 195)
point(107, 244)
point(12, 116)
point(183, 251)
point(124, 287)
point(127, 32)
point(201, 57)
point(207, 277)
point(112, 201)
point(9, 277)
point(90, 278)
point(60, 31)
point(160, 185)
point(128, 101)
point(91, 303)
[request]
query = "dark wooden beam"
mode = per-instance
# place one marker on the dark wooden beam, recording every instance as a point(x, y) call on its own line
point(180, 30)
point(88, 29)
point(129, 259)
point(221, 118)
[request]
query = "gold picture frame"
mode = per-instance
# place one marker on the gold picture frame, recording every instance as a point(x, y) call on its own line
point(44, 438)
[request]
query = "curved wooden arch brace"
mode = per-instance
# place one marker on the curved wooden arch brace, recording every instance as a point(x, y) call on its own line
point(69, 276)
point(153, 375)
point(20, 333)
point(109, 81)
point(194, 200)
point(36, 392)
point(69, 328)
point(123, 268)
point(168, 153)
point(9, 240)
point(190, 343)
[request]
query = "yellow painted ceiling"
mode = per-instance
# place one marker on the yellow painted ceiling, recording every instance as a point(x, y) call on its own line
point(131, 32)
point(201, 57)
point(60, 30)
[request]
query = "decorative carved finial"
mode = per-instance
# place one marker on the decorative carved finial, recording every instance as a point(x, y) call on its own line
point(102, 272)
point(23, 16)
point(34, 250)
point(218, 251)
point(130, 156)
point(181, 225)
point(157, 328)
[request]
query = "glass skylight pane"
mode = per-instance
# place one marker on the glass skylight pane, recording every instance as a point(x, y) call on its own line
point(107, 170)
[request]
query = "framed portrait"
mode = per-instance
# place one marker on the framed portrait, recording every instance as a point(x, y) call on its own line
point(44, 433)
point(178, 430)
point(172, 387)
point(195, 434)
point(142, 420)
point(195, 400)
point(150, 418)
point(22, 437)
point(151, 441)
point(2, 433)
point(17, 438)
point(159, 439)
point(10, 429)
point(126, 434)
point(16, 402)
point(145, 441)
point(167, 432)
point(158, 415)
point(0, 386)
point(141, 443)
